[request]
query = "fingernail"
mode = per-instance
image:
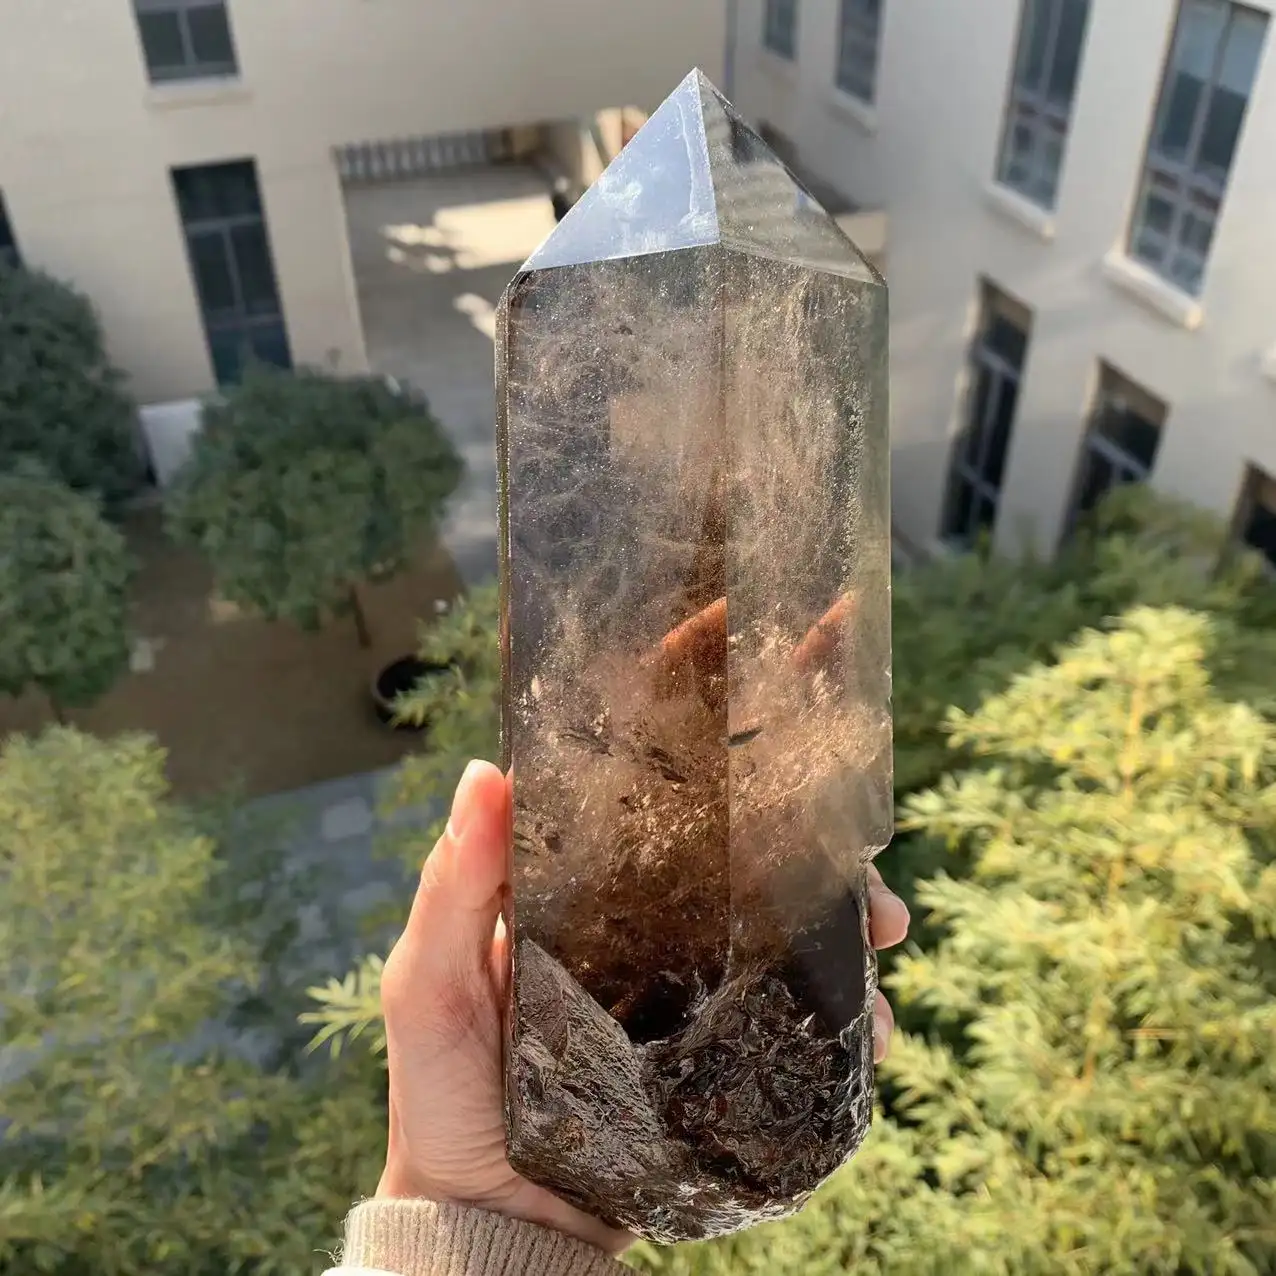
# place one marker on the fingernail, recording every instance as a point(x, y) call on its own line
point(462, 805)
point(887, 895)
point(881, 1038)
point(903, 908)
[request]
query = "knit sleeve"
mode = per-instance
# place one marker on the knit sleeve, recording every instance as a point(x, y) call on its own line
point(422, 1238)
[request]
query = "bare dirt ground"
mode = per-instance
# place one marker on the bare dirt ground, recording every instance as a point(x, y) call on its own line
point(246, 705)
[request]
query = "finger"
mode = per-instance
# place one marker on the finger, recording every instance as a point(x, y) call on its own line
point(442, 958)
point(698, 644)
point(467, 868)
point(824, 639)
point(888, 915)
point(883, 1027)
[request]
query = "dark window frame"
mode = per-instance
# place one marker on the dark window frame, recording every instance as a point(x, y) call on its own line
point(779, 28)
point(859, 41)
point(192, 66)
point(254, 326)
point(978, 459)
point(1032, 111)
point(1116, 396)
point(9, 252)
point(1192, 193)
point(1255, 510)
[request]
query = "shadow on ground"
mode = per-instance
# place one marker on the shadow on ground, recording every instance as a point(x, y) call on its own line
point(431, 259)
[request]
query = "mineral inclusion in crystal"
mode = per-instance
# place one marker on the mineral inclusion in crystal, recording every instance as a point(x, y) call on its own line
point(692, 427)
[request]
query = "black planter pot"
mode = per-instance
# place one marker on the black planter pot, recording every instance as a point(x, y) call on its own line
point(397, 678)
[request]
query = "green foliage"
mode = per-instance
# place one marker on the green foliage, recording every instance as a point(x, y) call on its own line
point(963, 626)
point(136, 1135)
point(302, 485)
point(960, 627)
point(349, 1008)
point(1086, 1084)
point(64, 574)
point(1110, 961)
point(61, 400)
point(462, 708)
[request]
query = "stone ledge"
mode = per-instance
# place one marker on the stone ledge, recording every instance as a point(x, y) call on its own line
point(214, 91)
point(1149, 288)
point(846, 107)
point(1023, 212)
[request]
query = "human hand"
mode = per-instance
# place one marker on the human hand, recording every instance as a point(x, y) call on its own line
point(443, 992)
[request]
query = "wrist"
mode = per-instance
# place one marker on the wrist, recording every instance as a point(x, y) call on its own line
point(521, 1200)
point(399, 1183)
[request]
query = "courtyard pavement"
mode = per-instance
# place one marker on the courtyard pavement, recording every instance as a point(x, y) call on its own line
point(431, 259)
point(331, 829)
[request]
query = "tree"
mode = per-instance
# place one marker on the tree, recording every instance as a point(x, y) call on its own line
point(963, 627)
point(303, 485)
point(64, 574)
point(136, 1133)
point(1097, 1093)
point(61, 400)
point(1110, 960)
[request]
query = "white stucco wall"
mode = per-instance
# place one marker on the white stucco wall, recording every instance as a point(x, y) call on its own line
point(927, 154)
point(86, 144)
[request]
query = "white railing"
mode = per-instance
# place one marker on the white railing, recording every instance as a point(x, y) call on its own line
point(399, 159)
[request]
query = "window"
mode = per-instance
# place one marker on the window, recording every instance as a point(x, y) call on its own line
point(1256, 516)
point(1121, 442)
point(1204, 94)
point(1051, 36)
point(979, 452)
point(234, 272)
point(779, 27)
point(859, 29)
point(8, 245)
point(185, 39)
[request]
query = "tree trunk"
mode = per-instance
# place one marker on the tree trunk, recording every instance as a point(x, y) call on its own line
point(360, 620)
point(59, 714)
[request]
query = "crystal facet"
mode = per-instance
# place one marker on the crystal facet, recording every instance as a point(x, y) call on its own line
point(696, 631)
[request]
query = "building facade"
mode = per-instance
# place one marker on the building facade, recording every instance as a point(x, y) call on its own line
point(180, 161)
point(1081, 212)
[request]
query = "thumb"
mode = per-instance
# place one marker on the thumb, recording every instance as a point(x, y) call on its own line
point(440, 967)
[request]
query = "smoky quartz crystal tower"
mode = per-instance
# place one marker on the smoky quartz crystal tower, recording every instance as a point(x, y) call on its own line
point(691, 385)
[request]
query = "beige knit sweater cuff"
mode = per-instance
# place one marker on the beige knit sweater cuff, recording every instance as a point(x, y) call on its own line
point(422, 1238)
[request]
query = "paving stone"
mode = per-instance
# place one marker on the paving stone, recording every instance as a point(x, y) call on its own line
point(351, 818)
point(368, 896)
point(311, 924)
